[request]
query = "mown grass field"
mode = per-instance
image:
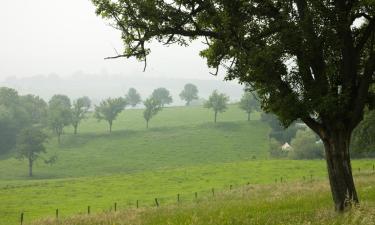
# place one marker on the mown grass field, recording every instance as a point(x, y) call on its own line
point(182, 152)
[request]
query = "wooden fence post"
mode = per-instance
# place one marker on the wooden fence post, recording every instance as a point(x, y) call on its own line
point(156, 202)
point(115, 206)
point(196, 195)
point(21, 218)
point(178, 198)
point(57, 214)
point(137, 204)
point(88, 210)
point(213, 191)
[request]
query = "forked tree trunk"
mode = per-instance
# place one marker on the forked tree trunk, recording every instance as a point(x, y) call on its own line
point(340, 170)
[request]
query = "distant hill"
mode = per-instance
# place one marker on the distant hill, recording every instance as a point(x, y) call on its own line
point(98, 87)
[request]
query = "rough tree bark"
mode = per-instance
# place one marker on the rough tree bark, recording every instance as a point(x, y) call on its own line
point(340, 170)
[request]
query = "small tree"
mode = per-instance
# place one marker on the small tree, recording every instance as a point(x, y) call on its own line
point(249, 103)
point(162, 95)
point(80, 108)
point(218, 102)
point(189, 93)
point(30, 145)
point(59, 114)
point(153, 106)
point(133, 98)
point(109, 109)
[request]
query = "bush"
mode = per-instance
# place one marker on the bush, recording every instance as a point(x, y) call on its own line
point(306, 145)
point(275, 149)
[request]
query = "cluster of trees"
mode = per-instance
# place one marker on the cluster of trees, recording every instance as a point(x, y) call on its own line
point(22, 122)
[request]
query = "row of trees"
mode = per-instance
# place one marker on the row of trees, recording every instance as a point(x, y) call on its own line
point(110, 108)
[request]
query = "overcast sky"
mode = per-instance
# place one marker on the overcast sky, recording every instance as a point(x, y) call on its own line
point(65, 36)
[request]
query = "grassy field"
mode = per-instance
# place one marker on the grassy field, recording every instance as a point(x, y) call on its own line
point(301, 202)
point(182, 152)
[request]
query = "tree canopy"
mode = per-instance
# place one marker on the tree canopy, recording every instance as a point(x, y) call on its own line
point(30, 144)
point(109, 109)
point(189, 93)
point(59, 114)
point(80, 108)
point(133, 98)
point(152, 107)
point(217, 102)
point(162, 96)
point(312, 60)
point(249, 103)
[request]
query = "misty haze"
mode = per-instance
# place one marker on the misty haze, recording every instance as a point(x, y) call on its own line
point(135, 112)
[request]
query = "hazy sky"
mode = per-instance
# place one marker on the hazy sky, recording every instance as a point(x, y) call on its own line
point(65, 36)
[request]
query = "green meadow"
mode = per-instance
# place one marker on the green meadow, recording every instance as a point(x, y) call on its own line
point(182, 152)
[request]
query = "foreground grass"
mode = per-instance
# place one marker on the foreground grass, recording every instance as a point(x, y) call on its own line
point(40, 198)
point(288, 203)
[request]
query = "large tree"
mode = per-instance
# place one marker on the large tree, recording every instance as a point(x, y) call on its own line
point(133, 98)
point(307, 59)
point(79, 111)
point(217, 102)
point(189, 93)
point(30, 144)
point(162, 95)
point(109, 109)
point(249, 103)
point(59, 114)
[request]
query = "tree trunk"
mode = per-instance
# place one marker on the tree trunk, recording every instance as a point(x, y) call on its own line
point(30, 167)
point(110, 127)
point(59, 138)
point(146, 123)
point(340, 170)
point(215, 117)
point(248, 116)
point(75, 129)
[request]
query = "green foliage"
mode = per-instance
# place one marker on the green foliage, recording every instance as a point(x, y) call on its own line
point(59, 114)
point(275, 149)
point(133, 98)
point(189, 93)
point(249, 103)
point(363, 138)
point(162, 95)
point(152, 107)
point(36, 108)
point(217, 102)
point(30, 144)
point(16, 113)
point(109, 109)
point(277, 131)
point(306, 145)
point(79, 111)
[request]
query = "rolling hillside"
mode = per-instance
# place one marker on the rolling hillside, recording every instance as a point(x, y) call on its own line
point(182, 152)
